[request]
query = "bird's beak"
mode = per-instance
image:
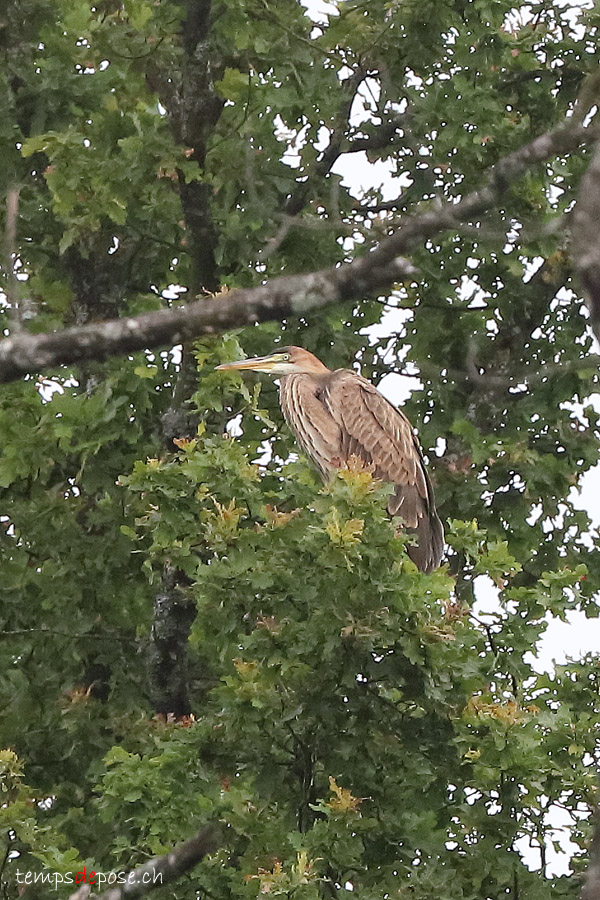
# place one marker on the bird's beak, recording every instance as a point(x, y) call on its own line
point(256, 364)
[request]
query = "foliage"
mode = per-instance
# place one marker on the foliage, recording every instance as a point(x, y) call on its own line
point(356, 727)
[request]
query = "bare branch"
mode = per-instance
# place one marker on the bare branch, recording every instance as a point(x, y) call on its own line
point(381, 136)
point(586, 240)
point(286, 296)
point(10, 243)
point(297, 200)
point(161, 870)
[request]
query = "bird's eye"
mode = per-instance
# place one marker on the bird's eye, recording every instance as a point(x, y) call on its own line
point(285, 357)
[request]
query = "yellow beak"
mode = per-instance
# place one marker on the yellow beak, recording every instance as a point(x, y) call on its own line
point(256, 364)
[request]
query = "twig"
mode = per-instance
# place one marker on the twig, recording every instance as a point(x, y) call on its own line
point(275, 242)
point(161, 870)
point(489, 633)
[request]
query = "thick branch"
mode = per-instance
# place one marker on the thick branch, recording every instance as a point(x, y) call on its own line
point(10, 239)
point(282, 297)
point(277, 299)
point(591, 888)
point(161, 870)
point(173, 617)
point(586, 240)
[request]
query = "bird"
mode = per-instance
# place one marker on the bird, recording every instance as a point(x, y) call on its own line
point(337, 415)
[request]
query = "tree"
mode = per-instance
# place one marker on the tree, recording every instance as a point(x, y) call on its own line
point(193, 630)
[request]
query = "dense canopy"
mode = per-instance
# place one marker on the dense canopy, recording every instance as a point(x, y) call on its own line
point(193, 631)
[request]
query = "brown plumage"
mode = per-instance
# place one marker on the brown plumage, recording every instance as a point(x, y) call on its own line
point(339, 415)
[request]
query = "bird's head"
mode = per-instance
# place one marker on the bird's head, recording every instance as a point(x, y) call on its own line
point(284, 361)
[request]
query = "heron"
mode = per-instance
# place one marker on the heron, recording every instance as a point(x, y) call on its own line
point(338, 415)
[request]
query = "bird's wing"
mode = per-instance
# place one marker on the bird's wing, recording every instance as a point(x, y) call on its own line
point(379, 434)
point(315, 429)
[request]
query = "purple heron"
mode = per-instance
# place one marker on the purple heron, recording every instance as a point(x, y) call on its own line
point(336, 415)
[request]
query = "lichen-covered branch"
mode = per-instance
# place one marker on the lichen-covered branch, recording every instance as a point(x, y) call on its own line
point(586, 238)
point(277, 299)
point(161, 870)
point(286, 296)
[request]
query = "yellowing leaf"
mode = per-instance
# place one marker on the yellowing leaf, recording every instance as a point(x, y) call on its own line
point(509, 713)
point(276, 519)
point(246, 669)
point(344, 533)
point(186, 444)
point(342, 800)
point(472, 755)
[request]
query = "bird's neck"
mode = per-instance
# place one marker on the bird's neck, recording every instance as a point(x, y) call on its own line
point(317, 378)
point(318, 368)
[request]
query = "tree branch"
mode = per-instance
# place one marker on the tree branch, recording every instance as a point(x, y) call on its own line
point(586, 241)
point(172, 619)
point(10, 245)
point(591, 887)
point(161, 870)
point(286, 296)
point(380, 136)
point(193, 108)
point(298, 198)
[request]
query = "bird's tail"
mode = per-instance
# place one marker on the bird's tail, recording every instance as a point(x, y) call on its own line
point(427, 553)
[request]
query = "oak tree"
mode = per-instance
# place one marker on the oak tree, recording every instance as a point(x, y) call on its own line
point(193, 632)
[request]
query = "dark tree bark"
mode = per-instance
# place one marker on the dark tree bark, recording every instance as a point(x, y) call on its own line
point(193, 108)
point(173, 616)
